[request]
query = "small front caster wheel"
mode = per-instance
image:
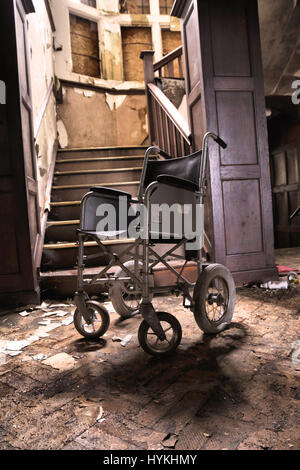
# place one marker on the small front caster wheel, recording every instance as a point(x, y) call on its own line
point(151, 344)
point(214, 298)
point(98, 321)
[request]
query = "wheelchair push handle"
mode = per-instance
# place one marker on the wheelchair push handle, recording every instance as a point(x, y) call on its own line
point(219, 140)
point(164, 154)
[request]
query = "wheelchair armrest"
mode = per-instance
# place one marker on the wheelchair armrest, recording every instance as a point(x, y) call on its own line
point(178, 182)
point(110, 192)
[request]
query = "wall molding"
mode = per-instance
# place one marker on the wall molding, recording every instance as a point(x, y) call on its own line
point(112, 91)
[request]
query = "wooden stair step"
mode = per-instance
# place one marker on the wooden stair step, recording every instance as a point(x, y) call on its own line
point(63, 283)
point(58, 230)
point(100, 176)
point(87, 185)
point(65, 210)
point(63, 246)
point(57, 223)
point(76, 171)
point(101, 152)
point(64, 255)
point(94, 171)
point(77, 191)
point(100, 162)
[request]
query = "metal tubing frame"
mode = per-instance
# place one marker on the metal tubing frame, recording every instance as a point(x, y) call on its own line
point(147, 268)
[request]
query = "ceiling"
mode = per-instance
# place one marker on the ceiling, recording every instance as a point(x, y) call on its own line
point(280, 37)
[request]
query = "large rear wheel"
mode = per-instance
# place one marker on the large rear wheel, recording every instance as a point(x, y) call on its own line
point(214, 299)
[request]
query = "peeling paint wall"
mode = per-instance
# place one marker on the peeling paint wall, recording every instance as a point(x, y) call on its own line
point(102, 119)
point(42, 78)
point(108, 107)
point(109, 21)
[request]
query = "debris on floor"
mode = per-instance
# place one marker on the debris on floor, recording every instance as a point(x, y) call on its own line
point(126, 341)
point(39, 357)
point(116, 339)
point(170, 441)
point(61, 361)
point(275, 285)
point(237, 390)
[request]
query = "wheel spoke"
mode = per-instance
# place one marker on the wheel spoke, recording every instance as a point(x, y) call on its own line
point(168, 329)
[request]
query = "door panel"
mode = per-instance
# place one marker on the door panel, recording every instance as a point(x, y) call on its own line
point(225, 95)
point(19, 207)
point(27, 129)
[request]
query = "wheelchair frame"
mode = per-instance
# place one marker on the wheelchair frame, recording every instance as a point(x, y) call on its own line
point(149, 257)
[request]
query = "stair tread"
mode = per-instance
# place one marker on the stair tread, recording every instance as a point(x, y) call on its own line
point(94, 270)
point(89, 185)
point(69, 272)
point(65, 203)
point(56, 223)
point(104, 170)
point(113, 147)
point(60, 246)
point(100, 159)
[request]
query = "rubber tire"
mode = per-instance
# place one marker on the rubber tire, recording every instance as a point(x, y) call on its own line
point(144, 327)
point(200, 292)
point(116, 293)
point(104, 316)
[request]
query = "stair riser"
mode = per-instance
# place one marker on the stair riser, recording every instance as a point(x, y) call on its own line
point(65, 213)
point(66, 258)
point(61, 233)
point(65, 288)
point(98, 178)
point(99, 165)
point(101, 153)
point(77, 194)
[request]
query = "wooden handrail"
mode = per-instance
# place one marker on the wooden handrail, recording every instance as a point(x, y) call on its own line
point(168, 58)
point(172, 112)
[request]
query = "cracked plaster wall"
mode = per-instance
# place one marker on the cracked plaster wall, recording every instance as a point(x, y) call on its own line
point(42, 76)
point(121, 118)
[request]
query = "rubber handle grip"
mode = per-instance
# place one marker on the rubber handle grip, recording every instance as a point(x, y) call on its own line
point(220, 142)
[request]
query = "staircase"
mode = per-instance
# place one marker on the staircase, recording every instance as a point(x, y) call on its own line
point(76, 170)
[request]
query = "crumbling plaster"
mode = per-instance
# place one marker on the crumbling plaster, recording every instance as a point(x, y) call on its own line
point(43, 100)
point(110, 22)
point(110, 109)
point(102, 119)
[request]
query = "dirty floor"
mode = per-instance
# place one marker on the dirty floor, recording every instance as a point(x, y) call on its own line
point(238, 390)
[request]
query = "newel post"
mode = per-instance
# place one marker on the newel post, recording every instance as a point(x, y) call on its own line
point(147, 57)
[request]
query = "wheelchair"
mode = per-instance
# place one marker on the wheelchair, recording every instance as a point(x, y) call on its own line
point(165, 223)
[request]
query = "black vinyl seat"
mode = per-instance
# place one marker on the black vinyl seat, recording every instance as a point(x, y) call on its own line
point(175, 177)
point(184, 169)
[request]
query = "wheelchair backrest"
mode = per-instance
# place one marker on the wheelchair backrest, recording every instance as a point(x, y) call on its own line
point(187, 168)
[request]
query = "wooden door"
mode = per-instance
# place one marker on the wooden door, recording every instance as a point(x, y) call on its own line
point(285, 166)
point(225, 91)
point(193, 74)
point(19, 207)
point(29, 154)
